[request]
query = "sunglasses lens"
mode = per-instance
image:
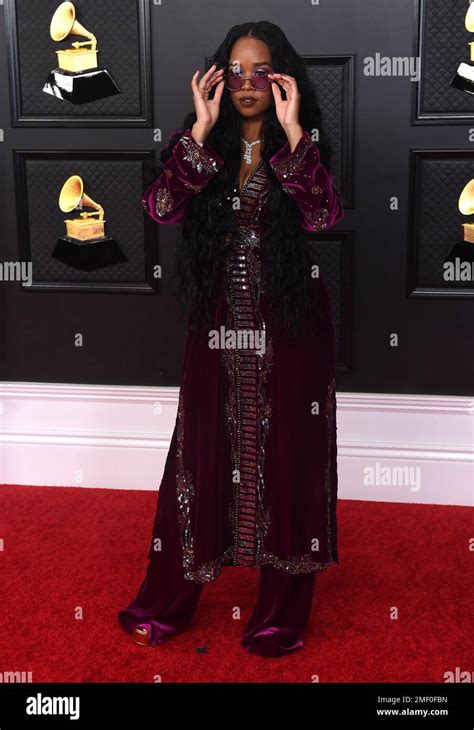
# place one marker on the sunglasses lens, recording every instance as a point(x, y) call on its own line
point(234, 81)
point(260, 81)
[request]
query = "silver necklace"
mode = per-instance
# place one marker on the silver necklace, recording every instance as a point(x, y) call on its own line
point(248, 149)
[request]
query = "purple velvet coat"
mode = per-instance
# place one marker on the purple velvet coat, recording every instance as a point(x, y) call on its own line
point(251, 474)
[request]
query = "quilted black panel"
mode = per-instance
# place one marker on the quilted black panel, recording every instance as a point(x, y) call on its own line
point(328, 81)
point(444, 45)
point(114, 23)
point(116, 184)
point(438, 221)
point(330, 257)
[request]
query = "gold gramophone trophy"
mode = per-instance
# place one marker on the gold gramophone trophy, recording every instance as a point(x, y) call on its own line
point(464, 76)
point(76, 78)
point(464, 250)
point(85, 245)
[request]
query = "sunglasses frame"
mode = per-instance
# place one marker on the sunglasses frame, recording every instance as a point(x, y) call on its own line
point(250, 78)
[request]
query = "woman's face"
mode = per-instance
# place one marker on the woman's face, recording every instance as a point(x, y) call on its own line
point(250, 55)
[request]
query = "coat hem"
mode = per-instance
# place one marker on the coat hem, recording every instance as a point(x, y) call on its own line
point(210, 571)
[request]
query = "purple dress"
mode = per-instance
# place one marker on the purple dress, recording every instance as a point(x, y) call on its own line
point(251, 473)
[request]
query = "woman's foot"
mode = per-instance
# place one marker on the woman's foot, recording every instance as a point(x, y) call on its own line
point(141, 634)
point(272, 642)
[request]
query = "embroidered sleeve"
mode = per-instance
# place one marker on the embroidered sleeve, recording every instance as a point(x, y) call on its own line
point(304, 177)
point(185, 173)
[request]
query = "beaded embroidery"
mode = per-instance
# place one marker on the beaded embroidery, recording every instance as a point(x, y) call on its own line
point(246, 409)
point(330, 481)
point(321, 220)
point(185, 493)
point(290, 164)
point(198, 156)
point(163, 201)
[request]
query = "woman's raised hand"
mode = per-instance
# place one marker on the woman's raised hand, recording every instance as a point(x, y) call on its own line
point(287, 110)
point(207, 110)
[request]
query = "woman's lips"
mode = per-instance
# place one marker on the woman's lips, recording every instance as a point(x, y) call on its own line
point(247, 100)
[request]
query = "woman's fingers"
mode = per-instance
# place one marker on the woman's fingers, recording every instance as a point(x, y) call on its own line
point(209, 75)
point(208, 80)
point(218, 92)
point(194, 85)
point(194, 80)
point(207, 108)
point(217, 76)
point(293, 86)
point(276, 93)
point(199, 86)
point(280, 81)
point(288, 82)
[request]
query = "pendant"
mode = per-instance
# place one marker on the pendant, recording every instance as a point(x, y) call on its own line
point(248, 150)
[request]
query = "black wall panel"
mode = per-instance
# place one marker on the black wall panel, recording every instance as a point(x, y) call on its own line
point(113, 179)
point(442, 44)
point(122, 30)
point(438, 177)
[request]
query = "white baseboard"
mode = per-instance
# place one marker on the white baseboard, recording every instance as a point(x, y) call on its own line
point(118, 437)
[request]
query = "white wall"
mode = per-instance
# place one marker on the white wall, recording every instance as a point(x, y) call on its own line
point(118, 437)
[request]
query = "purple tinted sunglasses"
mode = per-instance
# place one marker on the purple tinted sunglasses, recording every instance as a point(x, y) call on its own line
point(235, 80)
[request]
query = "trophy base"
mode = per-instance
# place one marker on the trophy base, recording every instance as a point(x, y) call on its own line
point(80, 88)
point(463, 84)
point(97, 253)
point(462, 251)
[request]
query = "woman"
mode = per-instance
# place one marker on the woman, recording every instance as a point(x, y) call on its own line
point(250, 477)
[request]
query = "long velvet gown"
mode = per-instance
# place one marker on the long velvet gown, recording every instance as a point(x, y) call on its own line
point(251, 474)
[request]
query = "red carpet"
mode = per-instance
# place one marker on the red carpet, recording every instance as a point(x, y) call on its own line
point(71, 549)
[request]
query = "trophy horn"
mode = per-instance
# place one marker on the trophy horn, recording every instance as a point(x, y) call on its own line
point(469, 22)
point(64, 23)
point(72, 195)
point(466, 199)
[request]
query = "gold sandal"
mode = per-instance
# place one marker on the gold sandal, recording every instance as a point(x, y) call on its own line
point(141, 636)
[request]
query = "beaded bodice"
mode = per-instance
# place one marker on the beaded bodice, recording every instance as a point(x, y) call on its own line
point(246, 406)
point(252, 197)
